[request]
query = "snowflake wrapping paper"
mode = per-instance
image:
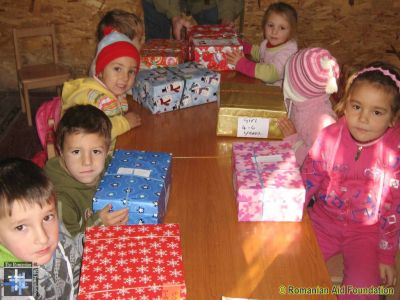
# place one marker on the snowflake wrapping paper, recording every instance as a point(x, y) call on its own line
point(132, 262)
point(167, 89)
point(267, 182)
point(138, 180)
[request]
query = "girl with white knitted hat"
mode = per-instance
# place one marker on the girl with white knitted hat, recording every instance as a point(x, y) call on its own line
point(310, 78)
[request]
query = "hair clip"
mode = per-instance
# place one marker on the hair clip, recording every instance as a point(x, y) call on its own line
point(384, 72)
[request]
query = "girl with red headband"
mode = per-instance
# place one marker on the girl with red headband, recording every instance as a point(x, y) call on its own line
point(116, 64)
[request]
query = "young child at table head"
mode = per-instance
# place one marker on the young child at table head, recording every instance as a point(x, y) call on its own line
point(353, 171)
point(83, 139)
point(120, 21)
point(279, 27)
point(310, 78)
point(117, 62)
point(30, 230)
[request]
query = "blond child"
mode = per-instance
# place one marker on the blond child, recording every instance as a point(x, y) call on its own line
point(310, 78)
point(83, 140)
point(269, 58)
point(117, 62)
point(352, 170)
point(30, 230)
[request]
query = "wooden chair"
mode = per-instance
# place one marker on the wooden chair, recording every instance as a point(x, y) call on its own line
point(37, 76)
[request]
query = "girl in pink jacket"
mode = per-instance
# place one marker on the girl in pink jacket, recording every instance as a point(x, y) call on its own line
point(269, 58)
point(310, 78)
point(353, 173)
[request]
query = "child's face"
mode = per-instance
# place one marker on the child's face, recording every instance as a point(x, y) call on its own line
point(277, 29)
point(31, 232)
point(368, 112)
point(83, 156)
point(119, 75)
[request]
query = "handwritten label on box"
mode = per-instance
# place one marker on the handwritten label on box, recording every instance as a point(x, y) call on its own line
point(134, 171)
point(253, 127)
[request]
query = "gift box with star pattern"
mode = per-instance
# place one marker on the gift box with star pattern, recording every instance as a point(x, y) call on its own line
point(167, 89)
point(138, 180)
point(267, 182)
point(132, 262)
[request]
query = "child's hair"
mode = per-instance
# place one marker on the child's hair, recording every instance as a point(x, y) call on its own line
point(83, 119)
point(23, 181)
point(382, 75)
point(285, 10)
point(120, 20)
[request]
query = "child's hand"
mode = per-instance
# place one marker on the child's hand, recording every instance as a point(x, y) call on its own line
point(133, 119)
point(388, 275)
point(115, 217)
point(286, 126)
point(233, 57)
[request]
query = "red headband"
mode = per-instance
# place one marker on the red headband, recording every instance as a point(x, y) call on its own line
point(116, 50)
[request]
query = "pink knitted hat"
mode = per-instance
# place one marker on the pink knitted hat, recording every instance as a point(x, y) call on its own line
point(310, 73)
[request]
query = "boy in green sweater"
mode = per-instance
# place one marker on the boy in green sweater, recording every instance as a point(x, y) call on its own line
point(83, 139)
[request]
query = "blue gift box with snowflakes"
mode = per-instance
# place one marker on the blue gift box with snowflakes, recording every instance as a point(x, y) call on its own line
point(139, 180)
point(167, 89)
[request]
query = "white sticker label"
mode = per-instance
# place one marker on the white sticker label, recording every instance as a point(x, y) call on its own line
point(267, 158)
point(134, 171)
point(252, 127)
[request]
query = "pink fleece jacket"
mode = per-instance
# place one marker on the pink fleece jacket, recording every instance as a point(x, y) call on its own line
point(308, 117)
point(269, 63)
point(357, 186)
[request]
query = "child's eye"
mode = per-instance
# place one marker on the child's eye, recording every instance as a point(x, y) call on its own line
point(131, 72)
point(49, 218)
point(75, 152)
point(117, 69)
point(377, 113)
point(20, 227)
point(282, 28)
point(97, 151)
point(356, 107)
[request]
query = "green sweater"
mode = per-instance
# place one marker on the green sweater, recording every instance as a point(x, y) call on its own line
point(227, 9)
point(74, 198)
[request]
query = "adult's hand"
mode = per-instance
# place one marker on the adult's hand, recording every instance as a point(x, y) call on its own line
point(178, 23)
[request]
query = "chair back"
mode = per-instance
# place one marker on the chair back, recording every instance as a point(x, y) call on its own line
point(20, 33)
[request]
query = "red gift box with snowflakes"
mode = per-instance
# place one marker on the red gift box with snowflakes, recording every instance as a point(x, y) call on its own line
point(163, 53)
point(267, 182)
point(132, 262)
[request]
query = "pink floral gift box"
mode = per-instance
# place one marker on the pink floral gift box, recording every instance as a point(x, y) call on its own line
point(267, 182)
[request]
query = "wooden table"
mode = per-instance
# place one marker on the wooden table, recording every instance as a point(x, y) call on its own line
point(223, 257)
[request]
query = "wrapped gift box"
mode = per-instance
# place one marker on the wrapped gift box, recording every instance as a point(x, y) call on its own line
point(163, 53)
point(211, 31)
point(132, 262)
point(267, 182)
point(158, 89)
point(168, 89)
point(138, 180)
point(242, 104)
point(211, 51)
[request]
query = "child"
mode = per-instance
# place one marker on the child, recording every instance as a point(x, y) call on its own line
point(352, 170)
point(117, 62)
point(121, 21)
point(30, 231)
point(310, 76)
point(124, 22)
point(83, 140)
point(279, 25)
